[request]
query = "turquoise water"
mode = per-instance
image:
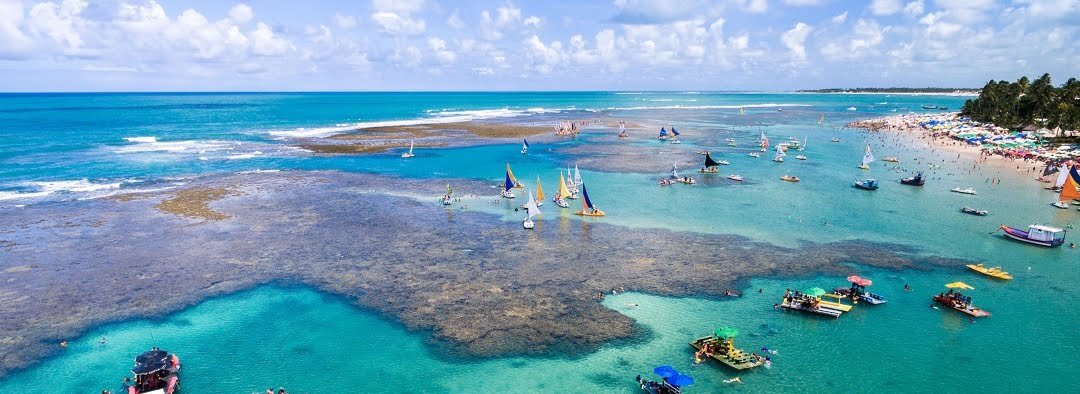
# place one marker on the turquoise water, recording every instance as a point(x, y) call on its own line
point(73, 146)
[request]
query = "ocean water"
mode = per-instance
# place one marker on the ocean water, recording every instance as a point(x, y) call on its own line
point(70, 146)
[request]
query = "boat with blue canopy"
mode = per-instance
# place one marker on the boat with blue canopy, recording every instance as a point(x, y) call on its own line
point(671, 381)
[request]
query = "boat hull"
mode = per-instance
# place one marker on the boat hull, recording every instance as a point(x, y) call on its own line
point(1019, 235)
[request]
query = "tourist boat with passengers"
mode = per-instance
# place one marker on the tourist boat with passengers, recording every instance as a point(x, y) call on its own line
point(964, 191)
point(671, 381)
point(510, 174)
point(857, 291)
point(955, 300)
point(447, 200)
point(868, 157)
point(916, 180)
point(721, 347)
point(809, 302)
point(156, 372)
point(1050, 237)
point(508, 186)
point(563, 194)
point(994, 272)
point(711, 166)
point(891, 159)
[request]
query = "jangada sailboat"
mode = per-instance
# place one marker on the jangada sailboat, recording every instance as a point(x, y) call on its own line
point(446, 200)
point(587, 207)
point(408, 154)
point(563, 194)
point(508, 186)
point(510, 175)
point(531, 210)
point(868, 158)
point(571, 185)
point(1070, 188)
point(539, 193)
point(764, 142)
point(622, 130)
point(663, 134)
point(577, 175)
point(779, 154)
point(675, 136)
point(524, 146)
point(711, 166)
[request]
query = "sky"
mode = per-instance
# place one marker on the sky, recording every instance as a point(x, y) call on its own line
point(432, 45)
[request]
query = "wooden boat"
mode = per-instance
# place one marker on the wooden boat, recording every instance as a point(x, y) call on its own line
point(727, 354)
point(587, 207)
point(837, 305)
point(663, 134)
point(869, 184)
point(675, 136)
point(524, 146)
point(973, 211)
point(964, 191)
point(789, 178)
point(563, 194)
point(687, 180)
point(539, 193)
point(805, 306)
point(622, 130)
point(1037, 235)
point(916, 180)
point(891, 159)
point(711, 166)
point(857, 291)
point(156, 372)
point(508, 185)
point(995, 272)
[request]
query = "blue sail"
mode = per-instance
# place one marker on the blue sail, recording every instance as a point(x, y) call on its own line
point(509, 183)
point(676, 133)
point(526, 143)
point(663, 131)
point(585, 193)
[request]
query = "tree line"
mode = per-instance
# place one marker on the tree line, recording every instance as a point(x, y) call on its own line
point(1027, 103)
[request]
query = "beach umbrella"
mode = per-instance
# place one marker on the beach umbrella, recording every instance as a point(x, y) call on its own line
point(680, 380)
point(815, 292)
point(959, 285)
point(726, 332)
point(665, 371)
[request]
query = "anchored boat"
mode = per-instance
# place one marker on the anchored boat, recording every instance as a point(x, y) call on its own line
point(711, 166)
point(721, 347)
point(869, 184)
point(510, 174)
point(994, 272)
point(156, 372)
point(446, 200)
point(973, 211)
point(587, 207)
point(809, 302)
point(1050, 237)
point(916, 180)
point(957, 301)
point(789, 178)
point(868, 157)
point(964, 191)
point(531, 210)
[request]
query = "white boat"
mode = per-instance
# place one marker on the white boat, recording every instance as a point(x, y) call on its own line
point(753, 154)
point(563, 194)
point(779, 154)
point(408, 154)
point(730, 141)
point(674, 141)
point(675, 170)
point(834, 140)
point(531, 210)
point(764, 141)
point(1060, 204)
point(963, 191)
point(868, 158)
point(577, 176)
point(447, 200)
point(734, 177)
point(800, 157)
point(723, 162)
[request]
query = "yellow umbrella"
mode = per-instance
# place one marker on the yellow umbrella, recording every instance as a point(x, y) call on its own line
point(959, 285)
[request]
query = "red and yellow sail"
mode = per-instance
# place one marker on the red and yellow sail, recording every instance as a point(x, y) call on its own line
point(1071, 189)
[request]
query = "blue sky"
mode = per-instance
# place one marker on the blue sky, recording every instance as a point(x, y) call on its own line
point(196, 45)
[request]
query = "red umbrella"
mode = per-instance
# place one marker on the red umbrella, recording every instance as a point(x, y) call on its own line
point(860, 280)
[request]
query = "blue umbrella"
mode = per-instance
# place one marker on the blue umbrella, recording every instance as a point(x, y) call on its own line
point(680, 380)
point(665, 371)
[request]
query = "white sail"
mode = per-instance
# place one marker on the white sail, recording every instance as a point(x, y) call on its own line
point(577, 175)
point(868, 157)
point(803, 146)
point(674, 170)
point(531, 207)
point(1063, 173)
point(411, 146)
point(622, 127)
point(780, 152)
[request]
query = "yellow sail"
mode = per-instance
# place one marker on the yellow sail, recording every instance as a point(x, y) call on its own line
point(539, 190)
point(563, 191)
point(512, 177)
point(1071, 189)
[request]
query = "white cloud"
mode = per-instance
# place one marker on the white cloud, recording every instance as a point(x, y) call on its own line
point(409, 57)
point(442, 54)
point(13, 42)
point(454, 21)
point(840, 19)
point(345, 21)
point(885, 7)
point(394, 23)
point(507, 15)
point(798, 3)
point(265, 43)
point(533, 21)
point(864, 38)
point(241, 13)
point(543, 57)
point(401, 6)
point(756, 6)
point(795, 41)
point(915, 8)
point(60, 22)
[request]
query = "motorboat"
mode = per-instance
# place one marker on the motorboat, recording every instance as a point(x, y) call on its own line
point(753, 154)
point(916, 180)
point(800, 157)
point(724, 162)
point(964, 191)
point(736, 178)
point(973, 211)
point(891, 159)
point(834, 140)
point(789, 178)
point(869, 184)
point(1037, 234)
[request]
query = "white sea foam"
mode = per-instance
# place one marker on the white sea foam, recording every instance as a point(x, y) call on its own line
point(140, 139)
point(48, 188)
point(623, 93)
point(173, 146)
point(764, 105)
point(244, 155)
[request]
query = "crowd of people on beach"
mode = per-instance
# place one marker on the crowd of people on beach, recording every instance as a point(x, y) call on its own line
point(571, 127)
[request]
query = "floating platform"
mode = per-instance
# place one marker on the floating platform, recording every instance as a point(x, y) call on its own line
point(737, 359)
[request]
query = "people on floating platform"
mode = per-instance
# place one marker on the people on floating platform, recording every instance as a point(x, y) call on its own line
point(955, 299)
point(804, 300)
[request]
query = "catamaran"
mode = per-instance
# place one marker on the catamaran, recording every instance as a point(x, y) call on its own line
point(675, 136)
point(587, 207)
point(711, 166)
point(531, 210)
point(510, 175)
point(408, 154)
point(868, 158)
point(663, 134)
point(779, 154)
point(508, 186)
point(446, 200)
point(539, 193)
point(563, 194)
point(524, 146)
